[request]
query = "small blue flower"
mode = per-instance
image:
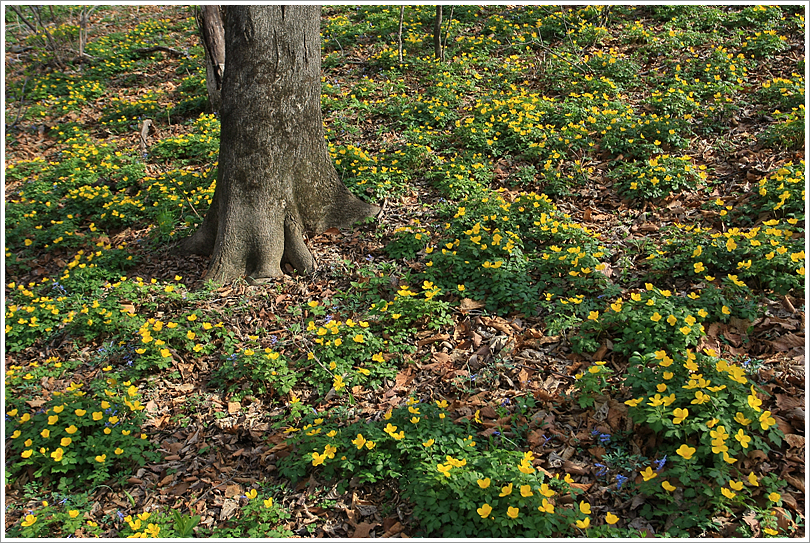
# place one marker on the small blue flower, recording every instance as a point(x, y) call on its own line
point(620, 480)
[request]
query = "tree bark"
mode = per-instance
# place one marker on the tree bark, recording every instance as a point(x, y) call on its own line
point(437, 34)
point(275, 181)
point(212, 34)
point(399, 34)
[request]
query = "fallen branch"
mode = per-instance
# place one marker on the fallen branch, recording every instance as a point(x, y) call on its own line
point(161, 48)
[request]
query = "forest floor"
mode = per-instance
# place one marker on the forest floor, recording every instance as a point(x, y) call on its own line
point(586, 284)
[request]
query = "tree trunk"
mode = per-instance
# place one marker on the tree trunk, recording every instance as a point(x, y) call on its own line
point(212, 34)
point(275, 179)
point(399, 34)
point(437, 34)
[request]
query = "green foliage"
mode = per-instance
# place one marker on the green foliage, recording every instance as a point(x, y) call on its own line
point(782, 94)
point(592, 382)
point(508, 252)
point(260, 517)
point(250, 373)
point(708, 413)
point(458, 487)
point(649, 320)
point(783, 191)
point(160, 524)
point(407, 241)
point(345, 354)
point(198, 147)
point(410, 311)
point(656, 178)
point(788, 132)
point(124, 115)
point(84, 436)
point(60, 516)
point(770, 256)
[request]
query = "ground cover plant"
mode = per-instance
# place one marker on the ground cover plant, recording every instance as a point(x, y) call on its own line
point(580, 313)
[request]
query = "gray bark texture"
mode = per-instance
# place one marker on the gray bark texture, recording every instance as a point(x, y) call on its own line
point(275, 182)
point(212, 34)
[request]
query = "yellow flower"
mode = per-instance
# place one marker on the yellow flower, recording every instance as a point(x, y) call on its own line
point(593, 315)
point(57, 454)
point(585, 508)
point(251, 494)
point(45, 432)
point(29, 520)
point(753, 401)
point(484, 510)
point(71, 429)
point(512, 512)
point(701, 398)
point(752, 479)
point(456, 462)
point(666, 485)
point(583, 524)
point(735, 485)
point(648, 474)
point(445, 469)
point(546, 506)
point(634, 402)
point(742, 438)
point(359, 441)
point(526, 491)
point(546, 491)
point(317, 458)
point(268, 503)
point(766, 420)
point(611, 519)
point(680, 415)
point(73, 513)
point(685, 451)
point(505, 491)
point(484, 483)
point(728, 493)
point(774, 497)
point(739, 417)
point(428, 443)
point(101, 458)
